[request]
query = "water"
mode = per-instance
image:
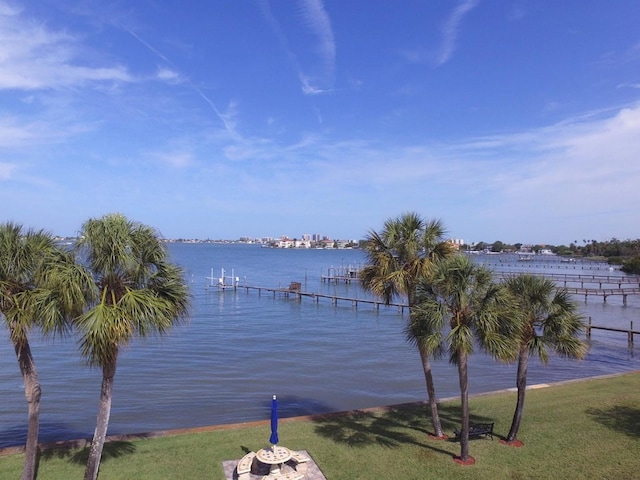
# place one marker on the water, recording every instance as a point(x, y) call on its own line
point(238, 348)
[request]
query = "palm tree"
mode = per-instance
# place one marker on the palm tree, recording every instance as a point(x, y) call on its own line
point(140, 293)
point(398, 256)
point(40, 286)
point(476, 308)
point(551, 321)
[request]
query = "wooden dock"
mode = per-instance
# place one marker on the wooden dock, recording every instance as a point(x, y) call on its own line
point(583, 284)
point(630, 331)
point(604, 292)
point(294, 291)
point(616, 284)
point(335, 299)
point(348, 274)
point(582, 279)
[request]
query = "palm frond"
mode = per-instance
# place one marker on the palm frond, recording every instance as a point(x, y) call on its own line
point(142, 292)
point(551, 318)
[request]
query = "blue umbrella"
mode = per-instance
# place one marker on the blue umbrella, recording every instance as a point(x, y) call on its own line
point(274, 422)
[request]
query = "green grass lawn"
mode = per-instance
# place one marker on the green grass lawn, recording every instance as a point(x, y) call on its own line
point(585, 429)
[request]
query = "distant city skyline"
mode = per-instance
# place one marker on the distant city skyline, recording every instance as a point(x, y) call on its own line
point(517, 121)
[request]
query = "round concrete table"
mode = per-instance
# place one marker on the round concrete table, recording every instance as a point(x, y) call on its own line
point(274, 456)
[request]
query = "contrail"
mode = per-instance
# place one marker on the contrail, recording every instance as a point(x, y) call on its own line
point(229, 128)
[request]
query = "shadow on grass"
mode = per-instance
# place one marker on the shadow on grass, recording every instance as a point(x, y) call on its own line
point(391, 427)
point(620, 418)
point(112, 449)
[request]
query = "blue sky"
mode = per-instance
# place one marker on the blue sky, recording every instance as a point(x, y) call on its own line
point(509, 120)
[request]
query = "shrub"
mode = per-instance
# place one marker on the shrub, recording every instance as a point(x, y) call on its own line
point(632, 265)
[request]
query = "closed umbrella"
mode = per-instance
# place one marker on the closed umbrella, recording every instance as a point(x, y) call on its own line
point(274, 422)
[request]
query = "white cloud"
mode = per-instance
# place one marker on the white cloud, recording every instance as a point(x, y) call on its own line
point(318, 75)
point(7, 170)
point(451, 29)
point(35, 57)
point(13, 134)
point(576, 175)
point(168, 75)
point(7, 10)
point(16, 134)
point(319, 22)
point(629, 85)
point(175, 159)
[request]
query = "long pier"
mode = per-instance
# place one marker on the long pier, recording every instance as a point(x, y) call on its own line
point(299, 294)
point(615, 283)
point(294, 290)
point(604, 292)
point(582, 279)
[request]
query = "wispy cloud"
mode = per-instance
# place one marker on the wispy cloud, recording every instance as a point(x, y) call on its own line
point(518, 10)
point(172, 75)
point(451, 28)
point(13, 134)
point(6, 170)
point(175, 159)
point(317, 19)
point(319, 75)
point(16, 133)
point(168, 75)
point(34, 57)
point(586, 164)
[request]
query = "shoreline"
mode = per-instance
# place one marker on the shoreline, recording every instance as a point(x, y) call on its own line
point(79, 443)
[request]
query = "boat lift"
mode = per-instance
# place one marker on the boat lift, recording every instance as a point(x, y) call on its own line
point(223, 282)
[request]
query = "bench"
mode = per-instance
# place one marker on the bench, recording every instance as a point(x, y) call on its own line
point(244, 466)
point(295, 287)
point(301, 461)
point(477, 430)
point(285, 476)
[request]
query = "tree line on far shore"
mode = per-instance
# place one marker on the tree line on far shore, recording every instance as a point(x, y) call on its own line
point(625, 253)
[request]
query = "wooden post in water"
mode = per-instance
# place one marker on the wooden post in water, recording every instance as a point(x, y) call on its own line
point(588, 328)
point(631, 333)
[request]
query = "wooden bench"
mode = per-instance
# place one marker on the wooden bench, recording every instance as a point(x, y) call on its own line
point(477, 430)
point(295, 287)
point(244, 466)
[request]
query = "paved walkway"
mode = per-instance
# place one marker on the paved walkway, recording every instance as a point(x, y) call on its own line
point(312, 473)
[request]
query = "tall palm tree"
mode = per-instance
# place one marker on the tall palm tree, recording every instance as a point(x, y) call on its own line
point(551, 321)
point(397, 257)
point(140, 293)
point(461, 297)
point(40, 287)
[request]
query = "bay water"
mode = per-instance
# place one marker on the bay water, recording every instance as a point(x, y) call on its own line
point(239, 347)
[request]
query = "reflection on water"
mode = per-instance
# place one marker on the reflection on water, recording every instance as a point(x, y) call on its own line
point(240, 347)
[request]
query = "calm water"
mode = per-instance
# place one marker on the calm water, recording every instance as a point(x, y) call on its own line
point(238, 348)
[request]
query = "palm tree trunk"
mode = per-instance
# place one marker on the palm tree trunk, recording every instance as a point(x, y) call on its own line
point(102, 423)
point(431, 392)
point(32, 393)
point(464, 406)
point(521, 383)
